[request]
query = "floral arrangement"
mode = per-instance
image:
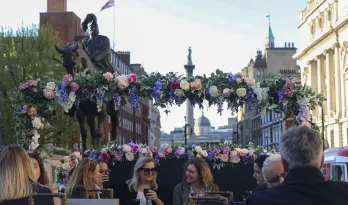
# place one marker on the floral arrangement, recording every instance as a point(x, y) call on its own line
point(220, 155)
point(66, 167)
point(235, 90)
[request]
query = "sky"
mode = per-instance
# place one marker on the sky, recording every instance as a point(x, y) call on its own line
point(223, 34)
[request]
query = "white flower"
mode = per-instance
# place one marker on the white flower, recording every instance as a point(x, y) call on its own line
point(122, 81)
point(66, 159)
point(169, 150)
point(66, 166)
point(184, 85)
point(241, 92)
point(33, 146)
point(143, 151)
point(235, 159)
point(226, 92)
point(49, 94)
point(77, 155)
point(179, 93)
point(37, 124)
point(238, 149)
point(198, 149)
point(250, 81)
point(129, 156)
point(204, 153)
point(245, 151)
point(214, 92)
point(126, 148)
point(51, 86)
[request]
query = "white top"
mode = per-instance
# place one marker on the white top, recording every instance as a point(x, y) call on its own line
point(142, 199)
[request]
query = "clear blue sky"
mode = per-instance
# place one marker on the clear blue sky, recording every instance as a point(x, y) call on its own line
point(222, 33)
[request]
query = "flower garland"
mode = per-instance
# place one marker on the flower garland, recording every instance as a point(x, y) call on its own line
point(167, 90)
point(220, 155)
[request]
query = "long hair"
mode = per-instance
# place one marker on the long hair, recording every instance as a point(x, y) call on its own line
point(204, 173)
point(16, 173)
point(133, 184)
point(80, 176)
point(43, 179)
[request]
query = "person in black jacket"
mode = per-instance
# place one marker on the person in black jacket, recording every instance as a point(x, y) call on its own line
point(258, 176)
point(301, 149)
point(144, 177)
point(17, 179)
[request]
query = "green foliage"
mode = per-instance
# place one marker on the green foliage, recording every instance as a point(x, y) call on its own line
point(28, 54)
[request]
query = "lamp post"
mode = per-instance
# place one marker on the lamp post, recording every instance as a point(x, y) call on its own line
point(322, 126)
point(185, 134)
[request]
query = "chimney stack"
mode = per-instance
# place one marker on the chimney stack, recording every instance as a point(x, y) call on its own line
point(285, 44)
point(293, 45)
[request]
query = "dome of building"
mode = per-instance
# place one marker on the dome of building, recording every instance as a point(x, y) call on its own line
point(202, 122)
point(202, 126)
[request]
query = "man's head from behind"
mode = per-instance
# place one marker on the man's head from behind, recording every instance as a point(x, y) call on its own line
point(301, 147)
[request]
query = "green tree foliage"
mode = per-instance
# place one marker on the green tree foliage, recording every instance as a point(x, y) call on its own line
point(28, 54)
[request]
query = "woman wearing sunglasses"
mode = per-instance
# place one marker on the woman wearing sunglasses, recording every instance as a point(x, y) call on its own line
point(143, 180)
point(86, 175)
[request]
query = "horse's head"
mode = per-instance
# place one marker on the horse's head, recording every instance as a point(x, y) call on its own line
point(69, 56)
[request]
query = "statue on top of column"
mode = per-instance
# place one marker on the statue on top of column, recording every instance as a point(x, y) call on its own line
point(189, 58)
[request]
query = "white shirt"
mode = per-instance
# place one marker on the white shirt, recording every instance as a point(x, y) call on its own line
point(142, 199)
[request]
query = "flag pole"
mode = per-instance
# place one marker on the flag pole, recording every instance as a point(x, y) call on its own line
point(113, 47)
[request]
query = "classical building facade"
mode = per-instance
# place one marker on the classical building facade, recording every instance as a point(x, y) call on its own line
point(323, 49)
point(265, 130)
point(203, 132)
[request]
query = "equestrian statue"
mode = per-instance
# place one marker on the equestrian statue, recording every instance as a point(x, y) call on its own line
point(92, 53)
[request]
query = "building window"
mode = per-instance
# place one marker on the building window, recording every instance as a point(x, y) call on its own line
point(329, 15)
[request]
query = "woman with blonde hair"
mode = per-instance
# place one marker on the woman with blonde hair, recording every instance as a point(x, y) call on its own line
point(85, 176)
point(143, 184)
point(17, 179)
point(197, 180)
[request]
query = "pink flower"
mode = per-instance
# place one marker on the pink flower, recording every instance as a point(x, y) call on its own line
point(104, 156)
point(32, 83)
point(74, 86)
point(306, 124)
point(161, 154)
point(122, 81)
point(135, 148)
point(224, 157)
point(226, 150)
point(108, 76)
point(233, 153)
point(35, 90)
point(51, 86)
point(23, 86)
point(198, 84)
point(132, 78)
point(67, 78)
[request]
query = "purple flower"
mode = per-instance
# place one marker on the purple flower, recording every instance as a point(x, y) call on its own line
point(193, 146)
point(135, 148)
point(211, 156)
point(155, 90)
point(93, 156)
point(133, 93)
point(104, 156)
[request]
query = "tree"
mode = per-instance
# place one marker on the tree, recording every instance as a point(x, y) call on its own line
point(25, 55)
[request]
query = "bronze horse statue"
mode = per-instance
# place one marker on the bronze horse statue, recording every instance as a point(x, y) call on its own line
point(75, 60)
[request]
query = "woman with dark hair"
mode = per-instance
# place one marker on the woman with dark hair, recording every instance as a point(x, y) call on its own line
point(39, 168)
point(41, 174)
point(197, 180)
point(258, 165)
